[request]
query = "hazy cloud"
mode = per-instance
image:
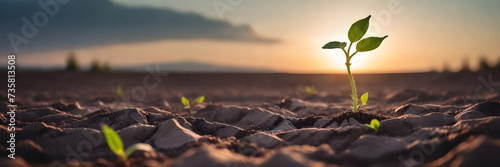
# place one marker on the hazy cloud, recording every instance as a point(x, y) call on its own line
point(70, 24)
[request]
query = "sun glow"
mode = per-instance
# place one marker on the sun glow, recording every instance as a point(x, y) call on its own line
point(361, 62)
point(337, 60)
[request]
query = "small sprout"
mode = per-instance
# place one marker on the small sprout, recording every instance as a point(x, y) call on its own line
point(375, 124)
point(119, 91)
point(356, 32)
point(310, 90)
point(116, 145)
point(189, 107)
point(114, 142)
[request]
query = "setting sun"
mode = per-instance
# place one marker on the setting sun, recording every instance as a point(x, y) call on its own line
point(360, 63)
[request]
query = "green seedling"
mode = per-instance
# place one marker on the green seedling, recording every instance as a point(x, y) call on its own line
point(188, 106)
point(356, 32)
point(310, 90)
point(375, 124)
point(119, 91)
point(115, 144)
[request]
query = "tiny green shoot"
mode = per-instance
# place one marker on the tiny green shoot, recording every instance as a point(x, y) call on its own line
point(189, 106)
point(356, 32)
point(119, 91)
point(116, 145)
point(375, 124)
point(310, 90)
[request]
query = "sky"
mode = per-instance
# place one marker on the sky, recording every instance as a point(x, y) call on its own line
point(284, 35)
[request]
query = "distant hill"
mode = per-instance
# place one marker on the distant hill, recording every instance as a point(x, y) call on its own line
point(193, 67)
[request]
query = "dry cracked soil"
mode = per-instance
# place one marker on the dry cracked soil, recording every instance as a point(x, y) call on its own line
point(427, 119)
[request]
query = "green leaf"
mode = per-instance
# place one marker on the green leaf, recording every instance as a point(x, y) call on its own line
point(138, 146)
point(364, 98)
point(375, 124)
point(369, 44)
point(185, 101)
point(198, 100)
point(358, 29)
point(114, 141)
point(335, 45)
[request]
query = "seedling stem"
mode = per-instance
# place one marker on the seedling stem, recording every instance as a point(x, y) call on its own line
point(356, 32)
point(353, 84)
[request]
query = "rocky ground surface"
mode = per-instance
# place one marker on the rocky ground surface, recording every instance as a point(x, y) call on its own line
point(435, 120)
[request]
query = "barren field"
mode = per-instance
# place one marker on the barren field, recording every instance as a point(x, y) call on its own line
point(426, 119)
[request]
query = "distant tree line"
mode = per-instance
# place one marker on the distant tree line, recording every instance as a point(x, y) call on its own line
point(484, 66)
point(72, 65)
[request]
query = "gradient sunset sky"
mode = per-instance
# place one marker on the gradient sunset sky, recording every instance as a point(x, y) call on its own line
point(287, 36)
